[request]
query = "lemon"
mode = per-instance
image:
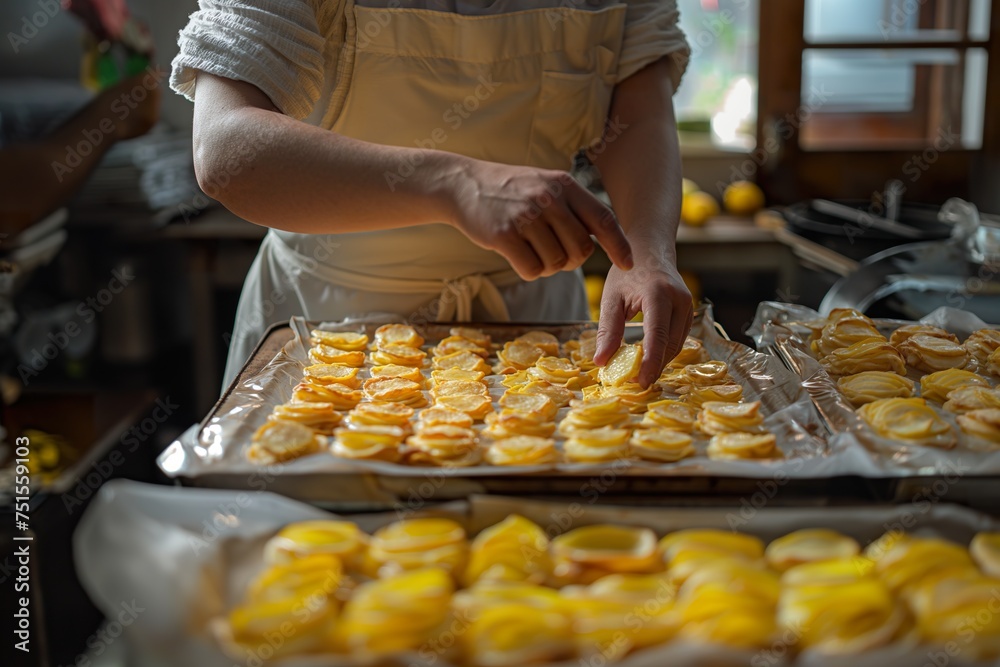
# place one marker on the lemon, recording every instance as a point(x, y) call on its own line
point(688, 186)
point(697, 208)
point(694, 286)
point(743, 198)
point(595, 288)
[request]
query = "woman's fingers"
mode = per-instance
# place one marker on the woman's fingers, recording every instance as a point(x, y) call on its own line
point(522, 258)
point(545, 245)
point(601, 222)
point(572, 234)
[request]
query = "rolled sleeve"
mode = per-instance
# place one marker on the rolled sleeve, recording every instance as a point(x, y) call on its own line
point(652, 31)
point(274, 45)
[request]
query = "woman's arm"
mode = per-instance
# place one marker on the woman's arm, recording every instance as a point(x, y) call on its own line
point(641, 169)
point(279, 172)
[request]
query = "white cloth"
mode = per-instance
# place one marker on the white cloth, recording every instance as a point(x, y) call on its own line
point(510, 81)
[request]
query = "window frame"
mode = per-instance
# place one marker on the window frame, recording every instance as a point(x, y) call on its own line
point(932, 172)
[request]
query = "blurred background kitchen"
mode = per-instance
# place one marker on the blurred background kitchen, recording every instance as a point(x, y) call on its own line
point(815, 134)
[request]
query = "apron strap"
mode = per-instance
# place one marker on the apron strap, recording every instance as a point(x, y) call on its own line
point(455, 297)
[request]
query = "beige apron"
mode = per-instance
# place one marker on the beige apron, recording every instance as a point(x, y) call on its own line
point(529, 87)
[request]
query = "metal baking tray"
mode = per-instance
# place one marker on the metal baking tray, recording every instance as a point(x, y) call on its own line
point(964, 474)
point(212, 454)
point(200, 548)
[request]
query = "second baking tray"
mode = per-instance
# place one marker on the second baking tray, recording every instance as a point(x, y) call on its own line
point(908, 473)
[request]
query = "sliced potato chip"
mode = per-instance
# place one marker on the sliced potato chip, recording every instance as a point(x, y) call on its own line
point(534, 403)
point(390, 389)
point(623, 366)
point(459, 388)
point(456, 374)
point(453, 344)
point(438, 416)
point(402, 355)
point(397, 334)
point(278, 441)
point(343, 398)
point(398, 371)
point(332, 374)
point(324, 354)
point(463, 360)
point(341, 340)
point(522, 450)
point(475, 406)
point(541, 339)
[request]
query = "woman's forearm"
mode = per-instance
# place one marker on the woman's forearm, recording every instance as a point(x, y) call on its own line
point(282, 173)
point(640, 166)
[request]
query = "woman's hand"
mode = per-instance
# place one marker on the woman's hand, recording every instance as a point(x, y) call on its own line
point(539, 220)
point(656, 289)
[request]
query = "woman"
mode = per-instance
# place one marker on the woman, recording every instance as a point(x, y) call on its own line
point(409, 157)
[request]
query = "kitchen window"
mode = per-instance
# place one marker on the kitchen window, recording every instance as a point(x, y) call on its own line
point(855, 92)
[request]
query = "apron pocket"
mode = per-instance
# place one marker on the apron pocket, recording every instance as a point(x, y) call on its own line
point(571, 111)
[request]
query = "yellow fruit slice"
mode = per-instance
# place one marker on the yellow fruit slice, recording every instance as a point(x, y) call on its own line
point(343, 398)
point(459, 388)
point(398, 371)
point(437, 416)
point(381, 414)
point(561, 396)
point(332, 374)
point(542, 339)
point(402, 355)
point(985, 550)
point(828, 572)
point(532, 403)
point(340, 539)
point(617, 548)
point(463, 360)
point(278, 441)
point(325, 354)
point(477, 336)
point(475, 406)
point(809, 546)
point(418, 535)
point(321, 417)
point(518, 355)
point(341, 340)
point(390, 389)
point(460, 374)
point(738, 545)
point(314, 574)
point(397, 334)
point(622, 367)
point(453, 344)
point(518, 634)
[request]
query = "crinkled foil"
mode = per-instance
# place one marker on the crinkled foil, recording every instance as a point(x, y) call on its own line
point(778, 328)
point(185, 557)
point(215, 454)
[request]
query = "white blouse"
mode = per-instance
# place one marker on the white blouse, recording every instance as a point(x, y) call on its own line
point(292, 50)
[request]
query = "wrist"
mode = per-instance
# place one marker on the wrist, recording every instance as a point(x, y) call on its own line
point(446, 183)
point(652, 247)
